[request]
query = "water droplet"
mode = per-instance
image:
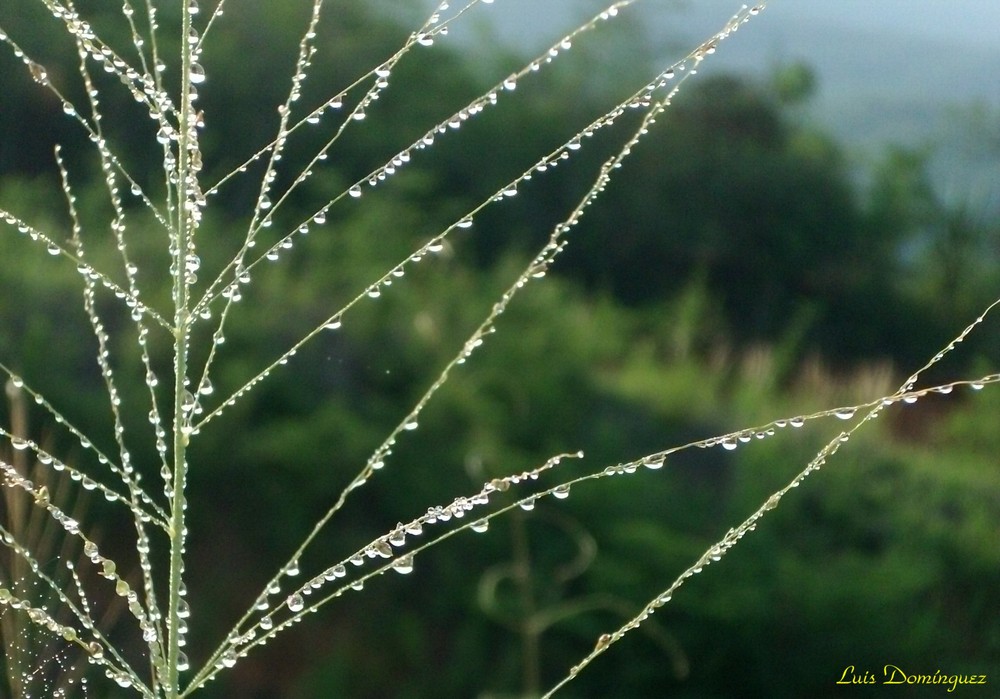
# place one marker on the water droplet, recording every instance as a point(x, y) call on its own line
point(561, 492)
point(729, 444)
point(266, 623)
point(295, 602)
point(38, 73)
point(846, 414)
point(411, 425)
point(480, 526)
point(796, 422)
point(528, 505)
point(403, 565)
point(197, 73)
point(228, 658)
point(334, 323)
point(397, 537)
point(182, 661)
point(355, 191)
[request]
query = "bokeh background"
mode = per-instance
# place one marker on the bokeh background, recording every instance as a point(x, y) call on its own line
point(815, 216)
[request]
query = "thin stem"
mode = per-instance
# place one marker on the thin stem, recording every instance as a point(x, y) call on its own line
point(531, 681)
point(181, 335)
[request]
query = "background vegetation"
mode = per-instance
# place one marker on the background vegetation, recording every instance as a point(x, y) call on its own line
point(740, 268)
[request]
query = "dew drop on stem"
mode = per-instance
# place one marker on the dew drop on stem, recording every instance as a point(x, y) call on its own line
point(197, 73)
point(403, 565)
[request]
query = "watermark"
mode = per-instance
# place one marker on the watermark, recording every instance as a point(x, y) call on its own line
point(895, 675)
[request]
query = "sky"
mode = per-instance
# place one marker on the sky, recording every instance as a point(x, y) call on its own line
point(888, 69)
point(961, 21)
point(908, 73)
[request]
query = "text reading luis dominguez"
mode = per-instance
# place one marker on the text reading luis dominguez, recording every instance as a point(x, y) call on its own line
point(894, 675)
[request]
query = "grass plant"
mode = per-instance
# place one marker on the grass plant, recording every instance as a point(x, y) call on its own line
point(160, 281)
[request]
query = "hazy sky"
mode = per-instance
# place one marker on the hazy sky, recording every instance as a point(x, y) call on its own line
point(884, 66)
point(970, 22)
point(965, 21)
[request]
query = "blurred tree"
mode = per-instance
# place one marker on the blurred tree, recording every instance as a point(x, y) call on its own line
point(730, 189)
point(794, 83)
